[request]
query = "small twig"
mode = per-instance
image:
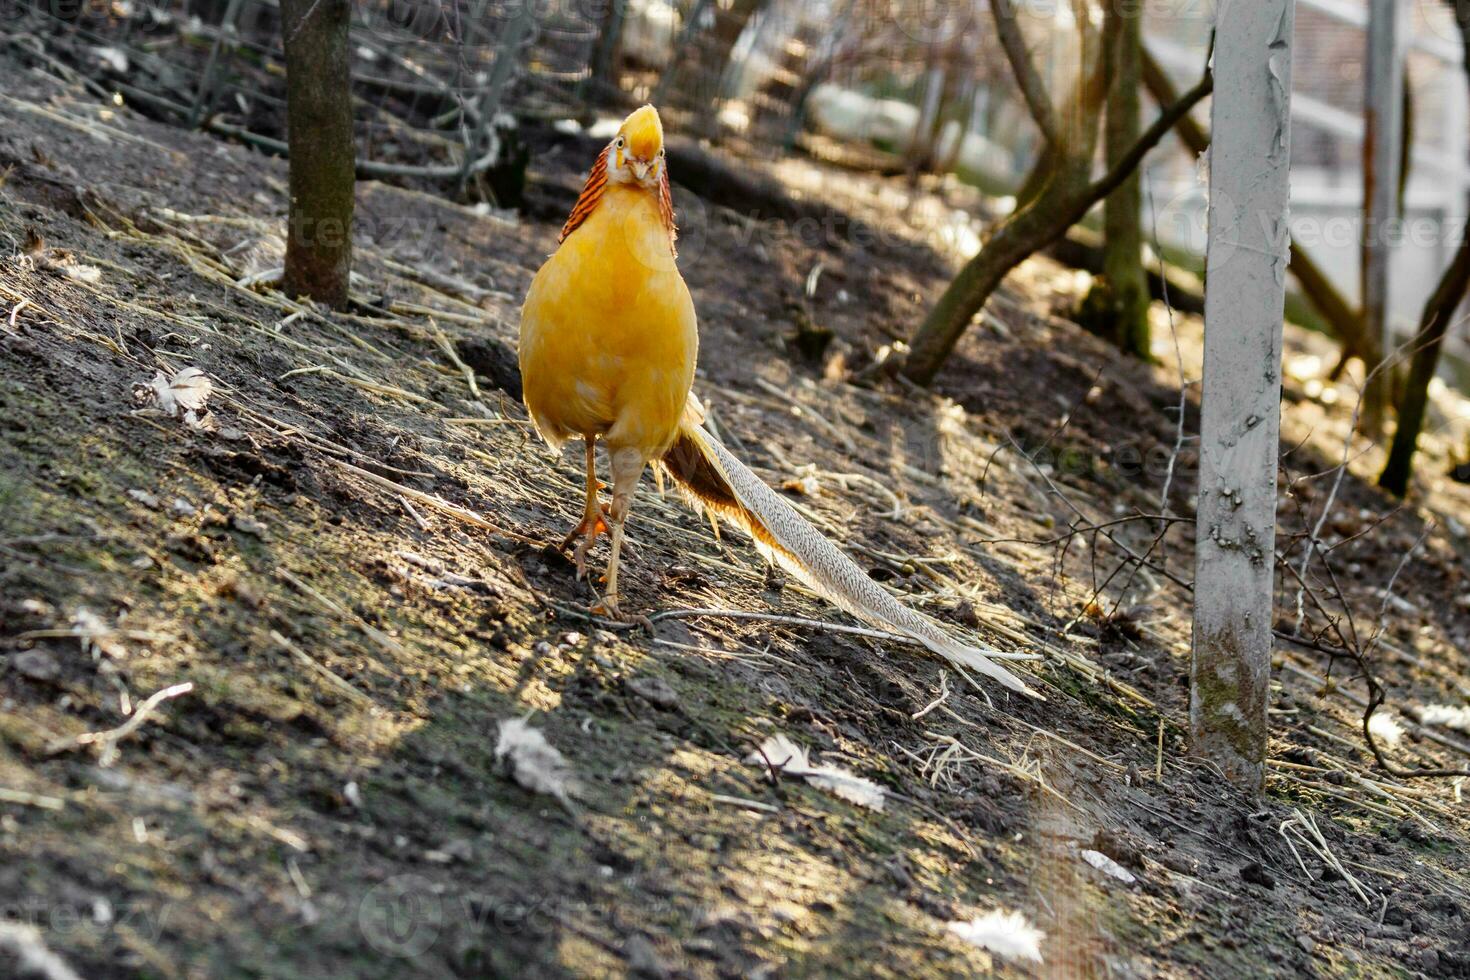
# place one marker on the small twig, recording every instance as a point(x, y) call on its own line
point(300, 24)
point(1388, 589)
point(22, 798)
point(108, 740)
point(306, 660)
point(1159, 755)
point(448, 348)
point(15, 313)
point(374, 386)
point(263, 277)
point(954, 747)
point(744, 803)
point(417, 517)
point(1178, 353)
point(943, 696)
point(378, 636)
point(1304, 827)
point(1403, 350)
point(428, 499)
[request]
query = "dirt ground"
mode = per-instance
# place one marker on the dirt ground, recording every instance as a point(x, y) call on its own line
point(349, 566)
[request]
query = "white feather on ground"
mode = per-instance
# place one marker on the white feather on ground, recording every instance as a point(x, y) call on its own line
point(95, 636)
point(35, 958)
point(1446, 716)
point(533, 761)
point(1003, 933)
point(1108, 866)
point(83, 273)
point(790, 758)
point(1386, 728)
point(184, 396)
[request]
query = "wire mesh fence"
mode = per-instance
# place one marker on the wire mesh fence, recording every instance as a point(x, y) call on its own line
point(438, 85)
point(430, 80)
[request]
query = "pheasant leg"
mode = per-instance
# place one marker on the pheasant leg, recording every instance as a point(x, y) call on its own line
point(593, 522)
point(627, 467)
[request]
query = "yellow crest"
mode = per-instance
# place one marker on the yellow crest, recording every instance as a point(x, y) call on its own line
point(643, 133)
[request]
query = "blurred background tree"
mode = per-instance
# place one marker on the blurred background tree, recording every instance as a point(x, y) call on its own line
point(319, 127)
point(1044, 112)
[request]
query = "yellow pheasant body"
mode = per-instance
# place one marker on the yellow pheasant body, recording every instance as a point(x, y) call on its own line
point(608, 345)
point(608, 332)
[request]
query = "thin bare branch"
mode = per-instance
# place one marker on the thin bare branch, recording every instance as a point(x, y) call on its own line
point(1033, 89)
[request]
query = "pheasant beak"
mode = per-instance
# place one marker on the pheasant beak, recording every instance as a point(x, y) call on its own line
point(640, 169)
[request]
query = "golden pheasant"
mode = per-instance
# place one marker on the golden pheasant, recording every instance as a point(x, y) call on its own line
point(608, 346)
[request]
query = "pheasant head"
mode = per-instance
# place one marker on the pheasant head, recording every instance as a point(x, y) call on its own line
point(637, 152)
point(634, 159)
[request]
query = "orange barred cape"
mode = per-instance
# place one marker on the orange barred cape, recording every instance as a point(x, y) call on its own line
point(596, 186)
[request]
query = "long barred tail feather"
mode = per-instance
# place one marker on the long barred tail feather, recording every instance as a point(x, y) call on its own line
point(709, 473)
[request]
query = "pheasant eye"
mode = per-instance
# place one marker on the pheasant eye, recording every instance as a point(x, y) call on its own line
point(619, 143)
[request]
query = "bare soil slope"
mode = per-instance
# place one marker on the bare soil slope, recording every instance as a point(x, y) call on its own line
point(348, 565)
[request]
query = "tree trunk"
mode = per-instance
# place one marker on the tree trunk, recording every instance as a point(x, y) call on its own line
point(1245, 270)
point(1038, 177)
point(1022, 234)
point(730, 24)
point(921, 145)
point(697, 75)
point(1438, 313)
point(1382, 146)
point(601, 80)
point(496, 86)
point(964, 116)
point(685, 50)
point(1030, 228)
point(1127, 282)
point(319, 122)
point(1048, 201)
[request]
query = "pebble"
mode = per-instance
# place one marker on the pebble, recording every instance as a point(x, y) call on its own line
point(643, 959)
point(654, 690)
point(145, 498)
point(247, 525)
point(38, 665)
point(1257, 875)
point(353, 795)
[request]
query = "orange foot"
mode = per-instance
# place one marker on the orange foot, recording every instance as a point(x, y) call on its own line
point(607, 606)
point(588, 530)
